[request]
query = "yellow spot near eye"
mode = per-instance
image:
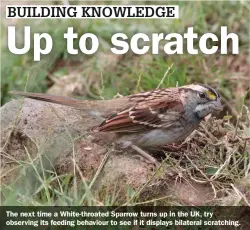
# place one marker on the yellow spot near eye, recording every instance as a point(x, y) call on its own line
point(210, 95)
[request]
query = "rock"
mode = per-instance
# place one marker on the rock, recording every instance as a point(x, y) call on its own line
point(38, 128)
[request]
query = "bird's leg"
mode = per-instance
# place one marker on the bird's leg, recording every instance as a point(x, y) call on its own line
point(145, 155)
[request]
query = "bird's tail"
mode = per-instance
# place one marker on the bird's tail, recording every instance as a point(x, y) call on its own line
point(53, 99)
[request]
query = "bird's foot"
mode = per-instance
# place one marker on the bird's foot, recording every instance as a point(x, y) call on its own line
point(145, 155)
point(142, 154)
point(141, 158)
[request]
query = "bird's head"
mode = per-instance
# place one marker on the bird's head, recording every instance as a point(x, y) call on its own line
point(203, 99)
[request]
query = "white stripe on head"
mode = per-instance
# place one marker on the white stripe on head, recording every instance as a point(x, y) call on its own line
point(209, 91)
point(199, 88)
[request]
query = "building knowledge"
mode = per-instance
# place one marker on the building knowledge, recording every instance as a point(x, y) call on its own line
point(92, 11)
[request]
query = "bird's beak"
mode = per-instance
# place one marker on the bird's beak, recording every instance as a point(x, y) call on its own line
point(217, 105)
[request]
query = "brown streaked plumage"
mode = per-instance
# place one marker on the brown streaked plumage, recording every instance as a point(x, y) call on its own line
point(146, 112)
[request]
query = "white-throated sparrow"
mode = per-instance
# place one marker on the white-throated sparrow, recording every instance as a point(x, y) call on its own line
point(148, 119)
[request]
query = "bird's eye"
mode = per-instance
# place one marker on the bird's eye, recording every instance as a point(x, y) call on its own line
point(202, 95)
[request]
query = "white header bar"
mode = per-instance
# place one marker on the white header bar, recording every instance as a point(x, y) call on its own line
point(92, 11)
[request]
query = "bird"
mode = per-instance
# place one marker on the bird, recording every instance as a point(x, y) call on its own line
point(148, 119)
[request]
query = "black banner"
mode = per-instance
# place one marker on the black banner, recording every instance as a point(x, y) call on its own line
point(132, 217)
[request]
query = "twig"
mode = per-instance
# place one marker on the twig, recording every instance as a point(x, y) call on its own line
point(215, 176)
point(239, 193)
point(208, 179)
point(164, 76)
point(97, 173)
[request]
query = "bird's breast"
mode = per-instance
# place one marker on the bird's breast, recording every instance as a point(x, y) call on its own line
point(161, 137)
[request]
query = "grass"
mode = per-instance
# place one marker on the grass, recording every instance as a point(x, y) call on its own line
point(208, 158)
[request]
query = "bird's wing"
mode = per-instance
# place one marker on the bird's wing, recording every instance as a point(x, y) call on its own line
point(155, 109)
